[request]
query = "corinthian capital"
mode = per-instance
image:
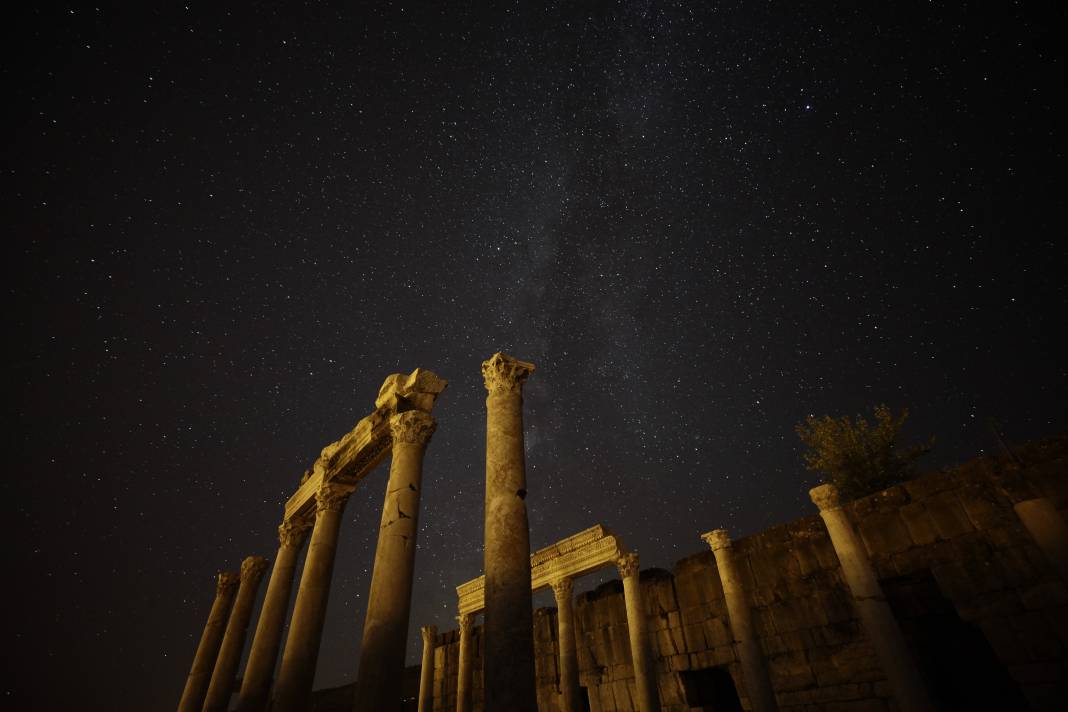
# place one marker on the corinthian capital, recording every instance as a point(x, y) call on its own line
point(627, 564)
point(504, 374)
point(292, 532)
point(562, 588)
point(227, 582)
point(413, 426)
point(717, 539)
point(430, 634)
point(332, 497)
point(253, 567)
point(466, 620)
point(825, 497)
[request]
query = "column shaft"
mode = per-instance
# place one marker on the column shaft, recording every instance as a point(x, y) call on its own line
point(426, 670)
point(196, 685)
point(385, 628)
point(641, 655)
point(295, 677)
point(1047, 527)
point(463, 677)
point(508, 651)
point(871, 606)
point(757, 680)
point(259, 670)
point(565, 622)
point(222, 678)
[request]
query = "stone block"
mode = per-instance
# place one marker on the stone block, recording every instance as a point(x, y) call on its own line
point(918, 522)
point(1050, 594)
point(921, 488)
point(791, 671)
point(884, 533)
point(985, 508)
point(1038, 639)
point(717, 632)
point(1004, 640)
point(948, 515)
point(872, 704)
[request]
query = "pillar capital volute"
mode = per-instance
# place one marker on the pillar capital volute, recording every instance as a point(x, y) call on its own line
point(825, 497)
point(466, 620)
point(563, 587)
point(292, 532)
point(717, 539)
point(412, 426)
point(227, 582)
point(332, 497)
point(628, 564)
point(504, 374)
point(252, 568)
point(430, 634)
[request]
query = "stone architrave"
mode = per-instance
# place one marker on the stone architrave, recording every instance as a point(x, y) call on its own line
point(1047, 527)
point(870, 603)
point(196, 685)
point(259, 670)
point(757, 680)
point(508, 627)
point(385, 628)
point(293, 689)
point(641, 655)
point(463, 678)
point(221, 686)
point(565, 619)
point(426, 669)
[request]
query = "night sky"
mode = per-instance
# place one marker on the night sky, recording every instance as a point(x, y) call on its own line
point(701, 221)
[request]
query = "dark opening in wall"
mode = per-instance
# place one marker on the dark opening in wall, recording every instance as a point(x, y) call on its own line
point(710, 690)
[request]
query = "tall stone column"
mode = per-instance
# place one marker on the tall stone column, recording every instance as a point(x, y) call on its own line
point(196, 685)
point(565, 622)
point(1047, 527)
point(426, 669)
point(385, 628)
point(259, 670)
point(463, 675)
point(292, 691)
point(871, 606)
point(757, 680)
point(641, 655)
point(508, 627)
point(222, 679)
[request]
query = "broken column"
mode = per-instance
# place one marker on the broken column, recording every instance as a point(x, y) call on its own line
point(641, 655)
point(292, 692)
point(565, 621)
point(463, 676)
point(426, 669)
point(196, 685)
point(259, 670)
point(221, 686)
point(870, 603)
point(1047, 527)
point(385, 628)
point(757, 680)
point(508, 627)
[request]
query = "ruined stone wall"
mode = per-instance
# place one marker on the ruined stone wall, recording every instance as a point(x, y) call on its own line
point(984, 612)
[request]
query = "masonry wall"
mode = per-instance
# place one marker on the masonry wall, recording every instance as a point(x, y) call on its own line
point(984, 612)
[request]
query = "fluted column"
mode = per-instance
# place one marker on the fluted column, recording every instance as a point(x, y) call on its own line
point(256, 683)
point(426, 669)
point(222, 679)
point(565, 623)
point(385, 628)
point(871, 606)
point(292, 691)
point(196, 685)
point(1047, 527)
point(641, 655)
point(508, 626)
point(463, 675)
point(757, 680)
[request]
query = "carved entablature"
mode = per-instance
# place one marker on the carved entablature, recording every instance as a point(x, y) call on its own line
point(332, 497)
point(504, 374)
point(293, 532)
point(227, 582)
point(577, 555)
point(825, 497)
point(717, 539)
point(252, 568)
point(413, 426)
point(628, 565)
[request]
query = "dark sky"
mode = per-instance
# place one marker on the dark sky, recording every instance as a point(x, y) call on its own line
point(702, 221)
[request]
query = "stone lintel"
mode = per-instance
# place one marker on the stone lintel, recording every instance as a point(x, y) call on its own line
point(577, 555)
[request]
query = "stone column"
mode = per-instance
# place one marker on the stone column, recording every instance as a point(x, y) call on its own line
point(508, 625)
point(565, 622)
point(222, 679)
point(757, 680)
point(871, 606)
point(292, 691)
point(196, 685)
point(426, 670)
point(644, 665)
point(1046, 526)
point(385, 628)
point(463, 677)
point(259, 670)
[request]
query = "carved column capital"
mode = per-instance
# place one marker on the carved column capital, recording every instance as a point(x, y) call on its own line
point(717, 539)
point(430, 634)
point(332, 497)
point(292, 532)
point(466, 621)
point(562, 588)
point(253, 567)
point(825, 497)
point(628, 564)
point(227, 582)
point(504, 374)
point(412, 426)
